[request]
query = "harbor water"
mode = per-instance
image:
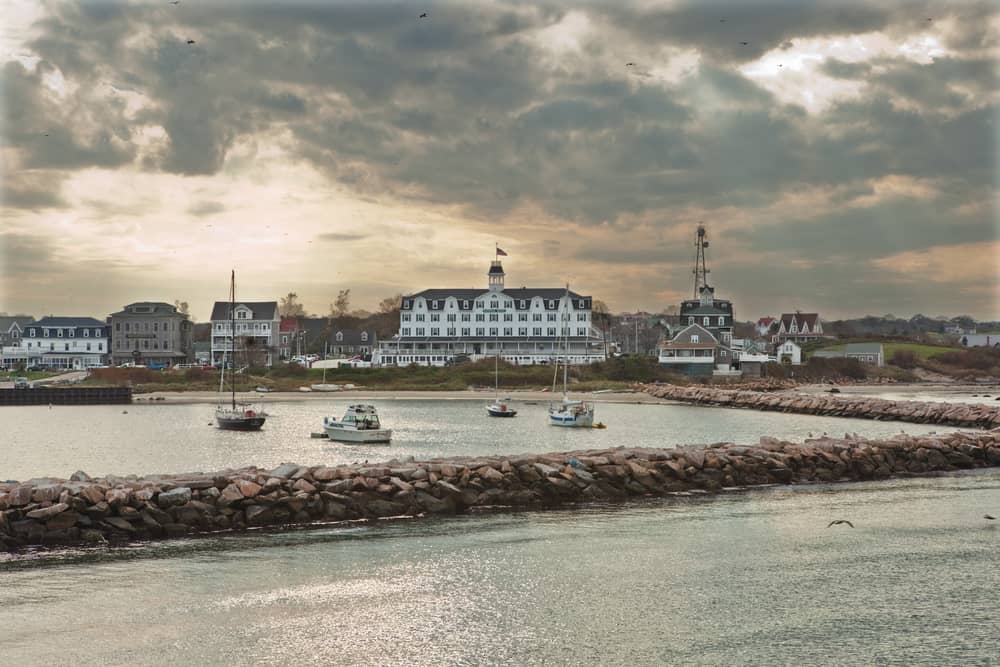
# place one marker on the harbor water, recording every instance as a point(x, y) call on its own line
point(747, 577)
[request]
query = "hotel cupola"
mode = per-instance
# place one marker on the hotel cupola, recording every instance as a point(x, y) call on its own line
point(496, 276)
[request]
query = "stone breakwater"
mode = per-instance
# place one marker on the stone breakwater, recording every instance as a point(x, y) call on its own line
point(82, 510)
point(919, 412)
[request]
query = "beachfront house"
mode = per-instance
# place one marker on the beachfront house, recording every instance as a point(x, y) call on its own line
point(70, 343)
point(150, 332)
point(257, 327)
point(695, 351)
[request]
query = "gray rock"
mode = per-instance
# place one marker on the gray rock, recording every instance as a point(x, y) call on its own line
point(284, 471)
point(47, 512)
point(79, 476)
point(178, 496)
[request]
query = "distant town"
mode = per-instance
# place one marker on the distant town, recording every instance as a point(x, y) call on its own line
point(700, 337)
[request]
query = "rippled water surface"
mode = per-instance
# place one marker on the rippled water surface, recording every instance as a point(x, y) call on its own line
point(747, 578)
point(182, 438)
point(743, 578)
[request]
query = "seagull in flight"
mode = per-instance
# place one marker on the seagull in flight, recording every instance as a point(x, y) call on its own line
point(424, 15)
point(744, 43)
point(175, 2)
point(989, 517)
point(190, 41)
point(629, 64)
point(837, 522)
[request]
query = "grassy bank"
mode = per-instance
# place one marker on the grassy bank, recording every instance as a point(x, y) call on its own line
point(612, 374)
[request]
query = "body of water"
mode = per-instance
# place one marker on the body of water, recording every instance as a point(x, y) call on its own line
point(740, 579)
point(751, 577)
point(158, 438)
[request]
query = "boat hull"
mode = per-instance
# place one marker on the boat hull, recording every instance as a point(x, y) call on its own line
point(358, 436)
point(500, 413)
point(240, 423)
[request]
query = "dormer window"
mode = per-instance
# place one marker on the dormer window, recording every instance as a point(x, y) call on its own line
point(694, 338)
point(406, 303)
point(364, 335)
point(59, 333)
point(524, 304)
point(434, 304)
point(32, 333)
point(465, 304)
point(72, 333)
point(552, 304)
point(45, 333)
point(86, 333)
point(340, 336)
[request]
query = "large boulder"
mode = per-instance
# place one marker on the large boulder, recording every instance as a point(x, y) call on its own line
point(47, 512)
point(179, 496)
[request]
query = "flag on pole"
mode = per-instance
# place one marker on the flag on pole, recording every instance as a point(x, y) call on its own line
point(500, 252)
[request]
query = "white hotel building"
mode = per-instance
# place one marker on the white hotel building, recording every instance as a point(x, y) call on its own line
point(523, 325)
point(75, 343)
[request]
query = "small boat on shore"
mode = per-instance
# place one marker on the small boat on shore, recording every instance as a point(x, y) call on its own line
point(359, 424)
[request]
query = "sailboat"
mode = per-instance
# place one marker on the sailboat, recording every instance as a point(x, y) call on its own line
point(499, 407)
point(568, 412)
point(233, 416)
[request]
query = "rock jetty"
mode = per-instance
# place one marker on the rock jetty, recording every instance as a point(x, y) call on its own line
point(964, 415)
point(82, 510)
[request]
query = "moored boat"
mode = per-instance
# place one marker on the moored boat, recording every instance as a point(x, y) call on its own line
point(235, 416)
point(500, 408)
point(359, 424)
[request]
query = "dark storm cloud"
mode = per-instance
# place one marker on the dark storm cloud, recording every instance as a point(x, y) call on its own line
point(31, 191)
point(467, 108)
point(341, 237)
point(202, 209)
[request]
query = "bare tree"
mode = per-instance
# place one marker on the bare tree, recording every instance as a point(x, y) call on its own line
point(290, 306)
point(182, 307)
point(342, 305)
point(390, 303)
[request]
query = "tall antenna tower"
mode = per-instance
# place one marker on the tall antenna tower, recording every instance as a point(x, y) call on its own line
point(700, 270)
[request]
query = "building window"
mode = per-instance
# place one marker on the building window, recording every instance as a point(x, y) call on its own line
point(86, 333)
point(536, 331)
point(694, 338)
point(364, 335)
point(420, 331)
point(340, 336)
point(552, 304)
point(451, 331)
point(508, 317)
point(465, 331)
point(480, 331)
point(522, 317)
point(493, 331)
point(722, 321)
point(435, 331)
point(72, 333)
point(508, 331)
point(451, 317)
point(706, 321)
point(435, 317)
point(524, 304)
point(494, 317)
point(465, 304)
point(100, 347)
point(480, 317)
point(523, 331)
point(406, 317)
point(419, 317)
point(406, 331)
point(536, 317)
point(434, 304)
point(552, 331)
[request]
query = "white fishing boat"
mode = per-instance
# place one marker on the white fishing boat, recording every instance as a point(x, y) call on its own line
point(568, 412)
point(359, 424)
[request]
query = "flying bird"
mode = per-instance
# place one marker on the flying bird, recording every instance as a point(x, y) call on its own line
point(190, 41)
point(991, 518)
point(175, 2)
point(744, 43)
point(424, 15)
point(629, 64)
point(837, 522)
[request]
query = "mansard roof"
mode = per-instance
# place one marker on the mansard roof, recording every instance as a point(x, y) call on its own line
point(67, 322)
point(146, 308)
point(517, 294)
point(261, 310)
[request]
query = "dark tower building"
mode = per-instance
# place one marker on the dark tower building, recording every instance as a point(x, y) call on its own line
point(715, 315)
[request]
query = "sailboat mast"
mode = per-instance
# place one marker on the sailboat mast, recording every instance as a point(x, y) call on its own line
point(232, 333)
point(564, 330)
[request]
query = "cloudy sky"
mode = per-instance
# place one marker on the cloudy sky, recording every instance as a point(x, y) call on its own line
point(842, 156)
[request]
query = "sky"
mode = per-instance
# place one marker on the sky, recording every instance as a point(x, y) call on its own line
point(843, 157)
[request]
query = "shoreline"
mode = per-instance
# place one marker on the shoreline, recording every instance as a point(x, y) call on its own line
point(516, 396)
point(110, 509)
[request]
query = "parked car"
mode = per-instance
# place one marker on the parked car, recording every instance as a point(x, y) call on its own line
point(22, 383)
point(35, 367)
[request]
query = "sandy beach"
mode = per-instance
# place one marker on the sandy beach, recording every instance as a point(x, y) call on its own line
point(179, 397)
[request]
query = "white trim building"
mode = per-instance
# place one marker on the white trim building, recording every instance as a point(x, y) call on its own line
point(523, 326)
point(72, 343)
point(257, 329)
